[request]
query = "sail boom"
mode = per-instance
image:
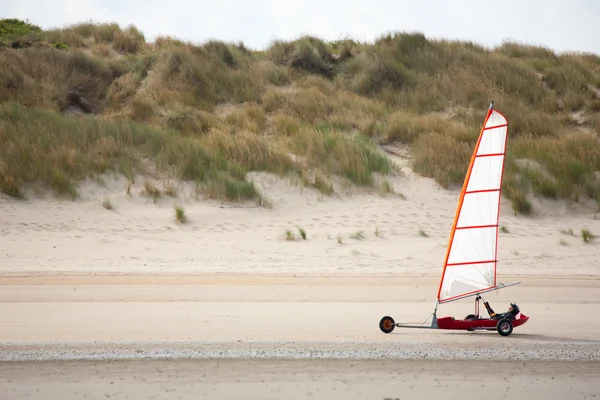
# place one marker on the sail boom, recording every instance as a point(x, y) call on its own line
point(478, 292)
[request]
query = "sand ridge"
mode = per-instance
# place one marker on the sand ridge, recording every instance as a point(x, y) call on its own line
point(398, 236)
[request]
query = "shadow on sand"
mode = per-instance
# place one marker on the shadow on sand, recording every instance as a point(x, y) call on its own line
point(514, 335)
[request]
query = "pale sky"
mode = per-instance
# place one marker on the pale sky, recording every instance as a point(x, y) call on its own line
point(562, 25)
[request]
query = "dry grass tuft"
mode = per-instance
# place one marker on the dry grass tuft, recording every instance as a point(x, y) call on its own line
point(289, 235)
point(587, 235)
point(151, 190)
point(302, 233)
point(180, 216)
point(170, 189)
point(358, 235)
point(106, 203)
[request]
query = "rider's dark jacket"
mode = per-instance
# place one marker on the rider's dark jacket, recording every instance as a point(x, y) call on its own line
point(500, 316)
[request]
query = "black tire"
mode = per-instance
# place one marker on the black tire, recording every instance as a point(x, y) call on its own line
point(387, 324)
point(504, 327)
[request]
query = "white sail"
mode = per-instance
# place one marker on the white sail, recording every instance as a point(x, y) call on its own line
point(472, 253)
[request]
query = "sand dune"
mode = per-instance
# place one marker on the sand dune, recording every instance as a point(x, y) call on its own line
point(139, 237)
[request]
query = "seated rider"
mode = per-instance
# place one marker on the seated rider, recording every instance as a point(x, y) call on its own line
point(513, 310)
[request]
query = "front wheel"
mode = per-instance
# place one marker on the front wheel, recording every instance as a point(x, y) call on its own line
point(504, 327)
point(387, 324)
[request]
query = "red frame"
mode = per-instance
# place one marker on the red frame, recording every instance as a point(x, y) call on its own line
point(485, 323)
point(478, 322)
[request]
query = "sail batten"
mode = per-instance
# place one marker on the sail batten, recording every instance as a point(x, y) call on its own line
point(471, 263)
point(483, 191)
point(476, 226)
point(472, 252)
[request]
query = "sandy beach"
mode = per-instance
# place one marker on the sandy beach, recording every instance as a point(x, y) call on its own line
point(299, 379)
point(126, 303)
point(171, 337)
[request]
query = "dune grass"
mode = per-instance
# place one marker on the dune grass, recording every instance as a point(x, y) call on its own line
point(289, 235)
point(47, 148)
point(44, 147)
point(180, 216)
point(106, 203)
point(302, 233)
point(587, 235)
point(88, 98)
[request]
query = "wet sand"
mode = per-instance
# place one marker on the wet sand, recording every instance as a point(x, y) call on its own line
point(298, 379)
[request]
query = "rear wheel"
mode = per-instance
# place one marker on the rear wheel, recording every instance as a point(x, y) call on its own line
point(387, 324)
point(504, 327)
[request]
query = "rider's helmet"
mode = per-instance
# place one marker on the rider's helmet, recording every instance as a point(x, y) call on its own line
point(514, 309)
